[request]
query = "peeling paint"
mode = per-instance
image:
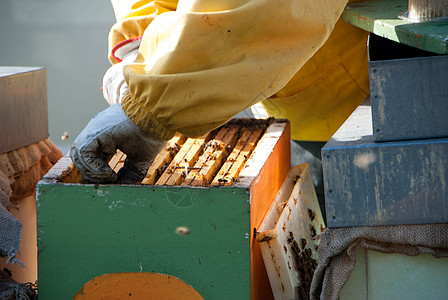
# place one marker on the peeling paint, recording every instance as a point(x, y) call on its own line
point(119, 204)
point(101, 193)
point(406, 182)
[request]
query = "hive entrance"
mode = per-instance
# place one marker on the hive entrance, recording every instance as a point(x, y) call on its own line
point(213, 159)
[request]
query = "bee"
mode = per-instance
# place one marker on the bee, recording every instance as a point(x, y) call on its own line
point(64, 136)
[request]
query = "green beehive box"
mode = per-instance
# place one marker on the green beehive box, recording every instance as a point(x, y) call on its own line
point(201, 235)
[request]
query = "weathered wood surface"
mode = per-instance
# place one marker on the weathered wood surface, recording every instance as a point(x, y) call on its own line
point(288, 236)
point(185, 158)
point(230, 170)
point(408, 92)
point(220, 178)
point(163, 159)
point(209, 162)
point(381, 18)
point(389, 183)
point(213, 159)
point(23, 107)
point(133, 228)
point(216, 158)
point(117, 161)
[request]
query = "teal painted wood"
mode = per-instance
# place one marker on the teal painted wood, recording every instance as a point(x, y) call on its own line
point(396, 276)
point(85, 231)
point(356, 286)
point(381, 17)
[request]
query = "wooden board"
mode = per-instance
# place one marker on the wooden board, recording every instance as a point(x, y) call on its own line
point(164, 158)
point(288, 236)
point(117, 161)
point(229, 172)
point(196, 161)
point(208, 164)
point(185, 158)
point(220, 177)
point(265, 182)
point(381, 18)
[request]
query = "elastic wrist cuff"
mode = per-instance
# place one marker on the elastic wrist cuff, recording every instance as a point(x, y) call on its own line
point(142, 118)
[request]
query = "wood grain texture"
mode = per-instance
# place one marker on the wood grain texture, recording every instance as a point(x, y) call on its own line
point(185, 158)
point(223, 172)
point(381, 18)
point(232, 173)
point(208, 164)
point(164, 158)
point(117, 161)
point(275, 144)
point(23, 107)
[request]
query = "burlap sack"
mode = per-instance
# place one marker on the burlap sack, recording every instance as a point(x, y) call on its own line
point(5, 190)
point(24, 167)
point(20, 170)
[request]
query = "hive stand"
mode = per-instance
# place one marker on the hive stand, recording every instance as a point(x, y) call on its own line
point(393, 171)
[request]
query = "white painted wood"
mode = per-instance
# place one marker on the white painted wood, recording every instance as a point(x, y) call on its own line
point(289, 221)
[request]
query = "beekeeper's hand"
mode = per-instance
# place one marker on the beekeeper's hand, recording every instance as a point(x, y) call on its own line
point(108, 131)
point(114, 85)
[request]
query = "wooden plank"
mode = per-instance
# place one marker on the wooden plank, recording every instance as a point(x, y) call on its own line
point(214, 155)
point(409, 96)
point(190, 158)
point(175, 162)
point(64, 171)
point(219, 179)
point(164, 158)
point(213, 164)
point(186, 157)
point(208, 152)
point(119, 161)
point(381, 18)
point(116, 159)
point(265, 173)
point(243, 156)
point(289, 235)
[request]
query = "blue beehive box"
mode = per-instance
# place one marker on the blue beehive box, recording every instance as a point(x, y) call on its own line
point(389, 183)
point(409, 91)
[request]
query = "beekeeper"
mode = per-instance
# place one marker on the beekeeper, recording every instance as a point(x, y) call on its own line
point(190, 66)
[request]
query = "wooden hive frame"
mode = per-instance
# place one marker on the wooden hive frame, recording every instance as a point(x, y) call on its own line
point(200, 230)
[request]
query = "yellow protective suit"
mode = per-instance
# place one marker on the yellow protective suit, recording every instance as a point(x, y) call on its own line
point(203, 61)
